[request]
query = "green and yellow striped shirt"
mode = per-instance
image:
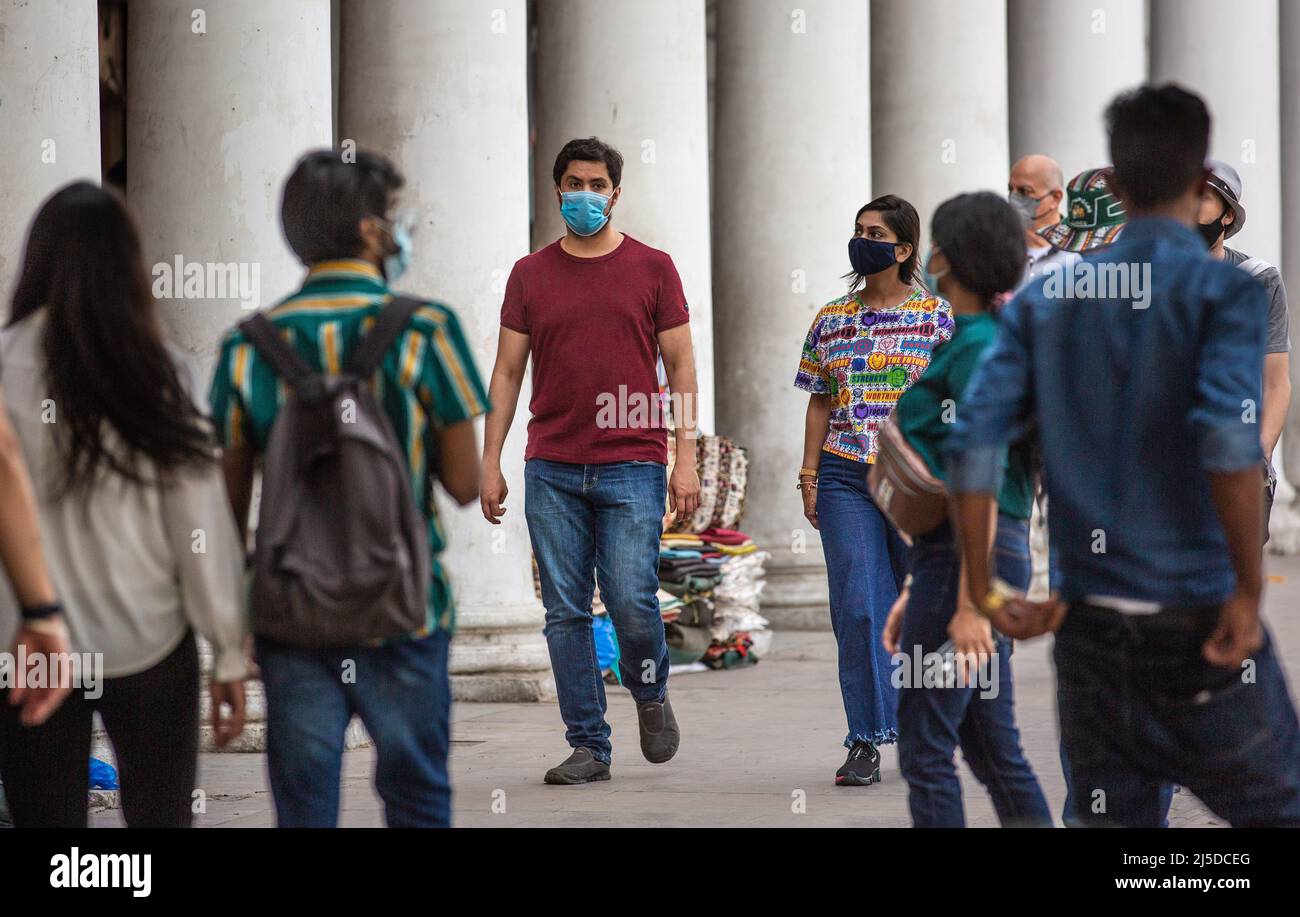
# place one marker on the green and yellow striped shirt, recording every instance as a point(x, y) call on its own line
point(426, 381)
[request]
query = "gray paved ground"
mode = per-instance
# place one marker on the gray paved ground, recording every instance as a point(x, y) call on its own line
point(755, 742)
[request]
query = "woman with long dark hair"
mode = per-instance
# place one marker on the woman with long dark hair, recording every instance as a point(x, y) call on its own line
point(133, 513)
point(977, 254)
point(863, 351)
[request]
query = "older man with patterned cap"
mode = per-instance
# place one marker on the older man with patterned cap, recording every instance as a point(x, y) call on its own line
point(1222, 216)
point(1094, 217)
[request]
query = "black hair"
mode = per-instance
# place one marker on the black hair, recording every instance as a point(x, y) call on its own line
point(1159, 136)
point(984, 241)
point(327, 196)
point(117, 390)
point(902, 219)
point(589, 149)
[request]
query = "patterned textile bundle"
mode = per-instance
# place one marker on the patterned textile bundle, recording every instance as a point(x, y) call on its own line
point(723, 468)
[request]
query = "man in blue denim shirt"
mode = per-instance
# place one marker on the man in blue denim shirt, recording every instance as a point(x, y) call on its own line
point(1139, 370)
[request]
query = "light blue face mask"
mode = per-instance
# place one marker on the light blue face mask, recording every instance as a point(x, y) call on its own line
point(930, 279)
point(584, 211)
point(395, 264)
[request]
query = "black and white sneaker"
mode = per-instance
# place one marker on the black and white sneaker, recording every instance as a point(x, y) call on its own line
point(580, 767)
point(861, 768)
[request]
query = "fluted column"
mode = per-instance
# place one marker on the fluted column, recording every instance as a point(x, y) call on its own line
point(439, 86)
point(792, 165)
point(221, 102)
point(1229, 55)
point(939, 100)
point(49, 113)
point(1055, 108)
point(1286, 525)
point(633, 73)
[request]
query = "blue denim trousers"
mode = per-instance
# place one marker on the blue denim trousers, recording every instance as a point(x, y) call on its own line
point(401, 693)
point(1069, 817)
point(1140, 708)
point(589, 525)
point(980, 718)
point(866, 562)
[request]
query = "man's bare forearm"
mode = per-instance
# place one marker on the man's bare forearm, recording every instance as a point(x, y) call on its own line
point(1239, 501)
point(503, 391)
point(1277, 400)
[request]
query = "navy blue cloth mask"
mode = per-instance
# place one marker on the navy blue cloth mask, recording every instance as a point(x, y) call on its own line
point(870, 256)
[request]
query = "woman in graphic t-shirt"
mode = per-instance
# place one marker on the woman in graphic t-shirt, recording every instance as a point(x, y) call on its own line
point(863, 351)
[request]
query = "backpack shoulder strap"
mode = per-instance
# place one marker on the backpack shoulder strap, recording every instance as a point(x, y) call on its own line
point(390, 322)
point(284, 361)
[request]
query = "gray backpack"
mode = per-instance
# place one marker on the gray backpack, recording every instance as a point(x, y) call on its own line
point(342, 553)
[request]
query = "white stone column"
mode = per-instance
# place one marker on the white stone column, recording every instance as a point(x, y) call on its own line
point(222, 99)
point(1287, 530)
point(221, 102)
point(939, 100)
point(1229, 55)
point(439, 86)
point(1056, 107)
point(792, 165)
point(633, 73)
point(49, 113)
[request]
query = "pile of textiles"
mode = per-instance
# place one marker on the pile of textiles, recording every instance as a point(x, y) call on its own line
point(723, 468)
point(709, 587)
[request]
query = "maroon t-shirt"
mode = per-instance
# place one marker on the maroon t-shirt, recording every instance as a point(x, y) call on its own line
point(592, 326)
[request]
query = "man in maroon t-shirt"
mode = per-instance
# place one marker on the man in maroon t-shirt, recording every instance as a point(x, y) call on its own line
point(595, 310)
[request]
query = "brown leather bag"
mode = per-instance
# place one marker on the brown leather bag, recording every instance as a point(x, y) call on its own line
point(902, 486)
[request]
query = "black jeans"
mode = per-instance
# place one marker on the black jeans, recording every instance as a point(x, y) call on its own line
point(152, 719)
point(1140, 708)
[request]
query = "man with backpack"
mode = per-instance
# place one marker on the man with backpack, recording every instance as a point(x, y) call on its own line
point(354, 401)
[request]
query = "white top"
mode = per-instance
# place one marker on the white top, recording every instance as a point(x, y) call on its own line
point(135, 566)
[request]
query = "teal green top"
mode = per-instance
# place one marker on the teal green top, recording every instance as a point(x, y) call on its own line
point(927, 411)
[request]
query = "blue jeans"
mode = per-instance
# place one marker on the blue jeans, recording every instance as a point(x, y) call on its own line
point(979, 718)
point(401, 692)
point(866, 562)
point(1140, 709)
point(600, 521)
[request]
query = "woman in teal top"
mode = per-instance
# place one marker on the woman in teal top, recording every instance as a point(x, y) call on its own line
point(955, 671)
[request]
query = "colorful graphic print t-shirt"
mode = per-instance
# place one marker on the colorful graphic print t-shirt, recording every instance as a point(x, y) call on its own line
point(865, 360)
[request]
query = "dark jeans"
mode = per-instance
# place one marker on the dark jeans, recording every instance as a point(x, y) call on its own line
point(1140, 708)
point(401, 693)
point(152, 719)
point(1069, 817)
point(866, 562)
point(980, 718)
point(594, 524)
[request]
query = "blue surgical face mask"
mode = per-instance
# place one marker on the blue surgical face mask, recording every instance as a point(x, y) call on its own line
point(930, 279)
point(870, 256)
point(584, 211)
point(396, 263)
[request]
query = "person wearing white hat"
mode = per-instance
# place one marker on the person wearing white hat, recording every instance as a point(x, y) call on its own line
point(1222, 216)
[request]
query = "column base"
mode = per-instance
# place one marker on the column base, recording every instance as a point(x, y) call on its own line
point(796, 596)
point(500, 656)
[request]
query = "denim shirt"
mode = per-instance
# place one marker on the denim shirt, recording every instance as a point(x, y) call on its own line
point(1136, 394)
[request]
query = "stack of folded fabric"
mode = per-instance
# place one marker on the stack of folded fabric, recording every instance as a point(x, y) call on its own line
point(714, 578)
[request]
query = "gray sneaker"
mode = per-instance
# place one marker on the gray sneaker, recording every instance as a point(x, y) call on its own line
point(581, 767)
point(659, 733)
